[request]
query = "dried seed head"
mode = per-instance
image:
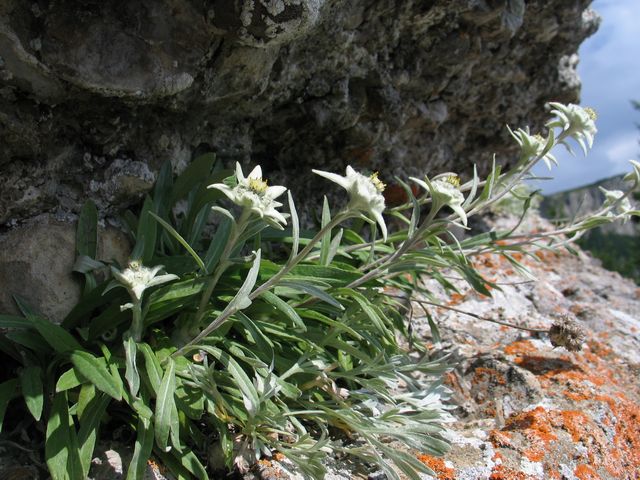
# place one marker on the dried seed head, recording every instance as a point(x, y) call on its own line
point(567, 333)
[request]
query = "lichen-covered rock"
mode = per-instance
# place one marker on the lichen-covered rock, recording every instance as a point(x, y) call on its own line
point(527, 410)
point(93, 94)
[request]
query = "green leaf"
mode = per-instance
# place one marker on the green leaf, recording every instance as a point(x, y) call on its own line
point(218, 242)
point(190, 401)
point(131, 369)
point(86, 395)
point(89, 426)
point(334, 246)
point(32, 390)
point(152, 366)
point(263, 344)
point(165, 402)
point(249, 393)
point(295, 227)
point(325, 242)
point(179, 238)
point(285, 308)
point(415, 213)
point(190, 461)
point(61, 449)
point(8, 390)
point(241, 300)
point(56, 336)
point(30, 339)
point(313, 291)
point(95, 370)
point(199, 169)
point(146, 235)
point(68, 380)
point(14, 321)
point(142, 450)
point(87, 232)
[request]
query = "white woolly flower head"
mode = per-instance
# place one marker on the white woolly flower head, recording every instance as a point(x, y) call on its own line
point(634, 175)
point(576, 121)
point(622, 208)
point(446, 191)
point(252, 192)
point(533, 145)
point(365, 193)
point(136, 278)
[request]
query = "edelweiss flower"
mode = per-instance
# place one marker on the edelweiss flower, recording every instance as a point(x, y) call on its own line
point(634, 176)
point(253, 192)
point(611, 197)
point(533, 145)
point(446, 192)
point(576, 121)
point(137, 278)
point(365, 193)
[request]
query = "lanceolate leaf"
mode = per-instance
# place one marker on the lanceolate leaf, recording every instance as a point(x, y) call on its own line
point(152, 367)
point(31, 383)
point(295, 227)
point(89, 425)
point(56, 336)
point(131, 369)
point(179, 238)
point(95, 370)
point(142, 450)
point(326, 238)
point(285, 308)
point(165, 402)
point(61, 448)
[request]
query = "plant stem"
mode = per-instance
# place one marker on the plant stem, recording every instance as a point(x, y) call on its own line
point(339, 218)
point(136, 324)
point(223, 263)
point(492, 320)
point(269, 283)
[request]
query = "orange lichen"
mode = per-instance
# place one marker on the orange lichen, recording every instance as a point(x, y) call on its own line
point(521, 347)
point(500, 439)
point(537, 426)
point(483, 374)
point(438, 466)
point(585, 472)
point(500, 472)
point(455, 299)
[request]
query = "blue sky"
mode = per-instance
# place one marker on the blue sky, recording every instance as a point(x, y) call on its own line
point(610, 72)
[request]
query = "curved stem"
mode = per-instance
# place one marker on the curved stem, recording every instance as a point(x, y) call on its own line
point(268, 284)
point(339, 218)
point(492, 320)
point(223, 263)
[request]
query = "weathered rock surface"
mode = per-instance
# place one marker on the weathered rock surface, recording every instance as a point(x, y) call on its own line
point(36, 263)
point(94, 96)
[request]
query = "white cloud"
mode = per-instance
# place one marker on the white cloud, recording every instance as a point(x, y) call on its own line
point(620, 149)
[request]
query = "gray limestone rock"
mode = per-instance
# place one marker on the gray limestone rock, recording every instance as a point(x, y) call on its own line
point(95, 96)
point(36, 262)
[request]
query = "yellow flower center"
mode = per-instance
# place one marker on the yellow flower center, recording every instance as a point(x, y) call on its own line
point(380, 186)
point(591, 112)
point(258, 185)
point(539, 137)
point(453, 180)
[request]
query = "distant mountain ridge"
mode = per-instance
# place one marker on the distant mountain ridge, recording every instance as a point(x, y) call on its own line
point(617, 244)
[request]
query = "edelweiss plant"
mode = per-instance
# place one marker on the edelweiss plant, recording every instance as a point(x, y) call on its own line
point(262, 338)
